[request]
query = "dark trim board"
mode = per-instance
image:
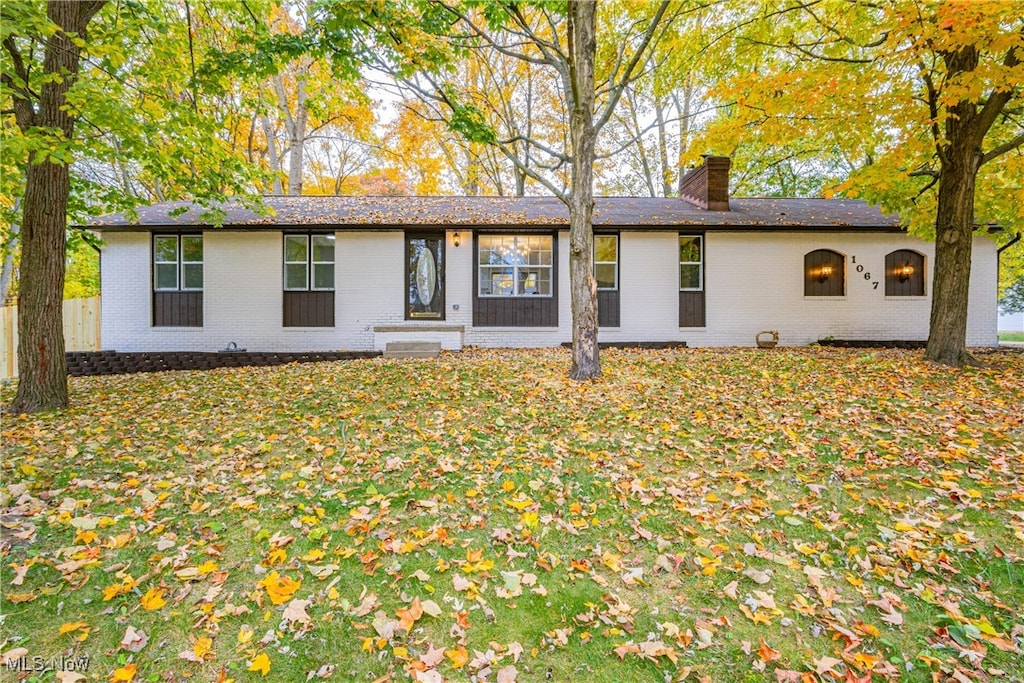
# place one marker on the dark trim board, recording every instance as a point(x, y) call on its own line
point(309, 308)
point(691, 308)
point(178, 309)
point(910, 286)
point(816, 284)
point(608, 308)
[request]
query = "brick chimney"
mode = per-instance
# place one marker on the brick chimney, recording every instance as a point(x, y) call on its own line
point(707, 186)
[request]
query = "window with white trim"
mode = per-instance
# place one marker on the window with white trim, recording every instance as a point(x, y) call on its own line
point(515, 265)
point(178, 263)
point(308, 263)
point(691, 263)
point(606, 261)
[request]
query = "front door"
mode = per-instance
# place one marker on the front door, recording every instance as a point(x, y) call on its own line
point(424, 276)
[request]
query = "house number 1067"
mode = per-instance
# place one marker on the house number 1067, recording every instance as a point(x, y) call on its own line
point(860, 269)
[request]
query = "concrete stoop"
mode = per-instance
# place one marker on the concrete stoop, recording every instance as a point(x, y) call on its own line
point(412, 350)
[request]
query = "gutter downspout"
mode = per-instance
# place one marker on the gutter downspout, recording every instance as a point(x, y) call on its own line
point(999, 264)
point(1000, 250)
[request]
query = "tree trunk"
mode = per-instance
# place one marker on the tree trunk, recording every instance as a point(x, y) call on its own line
point(954, 228)
point(42, 367)
point(666, 170)
point(272, 158)
point(961, 157)
point(683, 114)
point(582, 48)
point(297, 151)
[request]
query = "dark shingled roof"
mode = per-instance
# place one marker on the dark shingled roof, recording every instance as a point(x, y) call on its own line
point(362, 213)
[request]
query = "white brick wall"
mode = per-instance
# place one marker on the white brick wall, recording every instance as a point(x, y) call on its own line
point(754, 281)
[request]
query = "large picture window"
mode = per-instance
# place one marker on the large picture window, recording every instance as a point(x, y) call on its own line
point(515, 265)
point(691, 263)
point(177, 280)
point(309, 280)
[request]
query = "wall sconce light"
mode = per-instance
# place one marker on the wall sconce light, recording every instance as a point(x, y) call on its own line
point(905, 272)
point(825, 273)
point(456, 240)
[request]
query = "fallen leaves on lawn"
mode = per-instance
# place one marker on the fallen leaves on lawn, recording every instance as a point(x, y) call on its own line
point(801, 515)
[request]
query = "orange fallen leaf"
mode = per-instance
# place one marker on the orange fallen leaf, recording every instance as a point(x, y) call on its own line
point(280, 588)
point(408, 617)
point(767, 653)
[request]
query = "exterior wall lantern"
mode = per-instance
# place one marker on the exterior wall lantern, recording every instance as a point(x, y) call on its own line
point(905, 272)
point(456, 239)
point(825, 273)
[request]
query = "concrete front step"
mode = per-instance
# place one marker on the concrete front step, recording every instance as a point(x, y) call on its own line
point(412, 349)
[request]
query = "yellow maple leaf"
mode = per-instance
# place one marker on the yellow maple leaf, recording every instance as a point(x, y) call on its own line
point(69, 627)
point(275, 557)
point(153, 599)
point(519, 504)
point(459, 657)
point(116, 589)
point(260, 663)
point(245, 634)
point(280, 588)
point(86, 536)
point(612, 560)
point(125, 674)
point(203, 648)
point(313, 555)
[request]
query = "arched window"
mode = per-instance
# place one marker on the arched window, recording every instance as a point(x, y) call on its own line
point(824, 273)
point(904, 273)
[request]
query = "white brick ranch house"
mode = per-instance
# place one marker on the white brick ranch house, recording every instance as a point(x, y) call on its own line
point(354, 273)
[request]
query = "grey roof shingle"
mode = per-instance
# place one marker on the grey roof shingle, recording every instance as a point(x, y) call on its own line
point(511, 212)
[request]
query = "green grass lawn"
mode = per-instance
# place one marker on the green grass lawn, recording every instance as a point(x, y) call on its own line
point(1011, 336)
point(704, 515)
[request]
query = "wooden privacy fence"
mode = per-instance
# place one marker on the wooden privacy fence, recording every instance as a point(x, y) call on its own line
point(81, 331)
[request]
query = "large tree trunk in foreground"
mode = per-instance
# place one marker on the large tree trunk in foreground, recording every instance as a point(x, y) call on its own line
point(42, 367)
point(954, 228)
point(582, 47)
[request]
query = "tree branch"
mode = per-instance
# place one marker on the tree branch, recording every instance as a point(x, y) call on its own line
point(1002, 149)
point(998, 99)
point(933, 109)
point(615, 92)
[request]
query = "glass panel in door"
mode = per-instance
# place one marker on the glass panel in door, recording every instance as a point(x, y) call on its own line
point(424, 268)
